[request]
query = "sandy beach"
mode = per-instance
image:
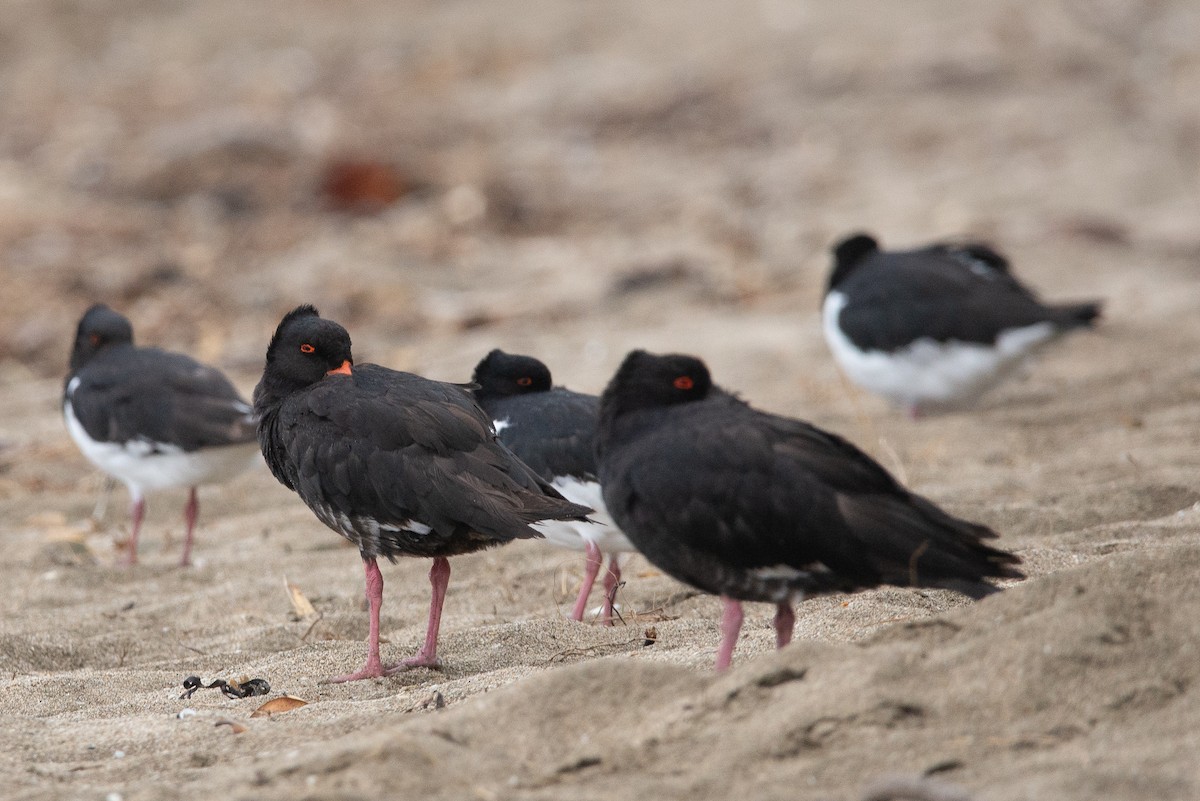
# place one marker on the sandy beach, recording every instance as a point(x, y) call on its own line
point(572, 181)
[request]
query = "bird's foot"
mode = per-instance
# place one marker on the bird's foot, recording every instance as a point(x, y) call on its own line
point(422, 659)
point(373, 668)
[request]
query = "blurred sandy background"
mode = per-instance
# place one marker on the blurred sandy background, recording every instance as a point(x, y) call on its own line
point(572, 180)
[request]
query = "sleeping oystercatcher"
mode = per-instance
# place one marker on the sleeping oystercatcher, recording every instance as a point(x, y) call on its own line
point(756, 507)
point(553, 430)
point(395, 463)
point(151, 418)
point(933, 328)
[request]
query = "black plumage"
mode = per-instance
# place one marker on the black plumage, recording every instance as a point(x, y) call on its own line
point(897, 321)
point(757, 507)
point(398, 464)
point(553, 430)
point(152, 418)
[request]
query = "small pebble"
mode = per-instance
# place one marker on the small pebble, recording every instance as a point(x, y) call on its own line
point(184, 714)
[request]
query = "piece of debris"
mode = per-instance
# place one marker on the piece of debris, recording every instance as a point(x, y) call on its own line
point(234, 726)
point(301, 606)
point(277, 706)
point(242, 687)
point(363, 186)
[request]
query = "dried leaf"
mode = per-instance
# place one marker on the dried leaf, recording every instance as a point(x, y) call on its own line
point(233, 725)
point(650, 636)
point(363, 185)
point(300, 604)
point(277, 706)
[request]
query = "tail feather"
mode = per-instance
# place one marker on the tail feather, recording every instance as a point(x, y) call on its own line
point(1077, 315)
point(910, 542)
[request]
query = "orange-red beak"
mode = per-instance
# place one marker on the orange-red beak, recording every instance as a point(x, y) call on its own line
point(343, 370)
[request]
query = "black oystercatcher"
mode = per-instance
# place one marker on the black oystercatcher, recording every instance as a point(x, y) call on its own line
point(553, 430)
point(933, 328)
point(757, 507)
point(152, 418)
point(398, 464)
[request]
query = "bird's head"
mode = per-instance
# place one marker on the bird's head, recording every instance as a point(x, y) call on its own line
point(848, 253)
point(502, 375)
point(99, 328)
point(304, 349)
point(646, 381)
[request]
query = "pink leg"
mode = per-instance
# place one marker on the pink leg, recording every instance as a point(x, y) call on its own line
point(190, 512)
point(594, 560)
point(612, 579)
point(731, 625)
point(137, 511)
point(785, 621)
point(374, 665)
point(439, 577)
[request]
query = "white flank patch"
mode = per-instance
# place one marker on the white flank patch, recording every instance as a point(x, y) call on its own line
point(500, 425)
point(408, 525)
point(929, 373)
point(146, 466)
point(785, 572)
point(573, 534)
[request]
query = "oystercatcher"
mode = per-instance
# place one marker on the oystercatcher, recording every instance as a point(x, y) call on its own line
point(553, 430)
point(935, 327)
point(395, 463)
point(153, 419)
point(757, 507)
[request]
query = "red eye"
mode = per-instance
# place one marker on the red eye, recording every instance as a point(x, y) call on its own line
point(684, 382)
point(94, 339)
point(307, 348)
point(524, 381)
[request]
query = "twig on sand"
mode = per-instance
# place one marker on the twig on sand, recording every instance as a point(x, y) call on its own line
point(659, 612)
point(562, 656)
point(182, 644)
point(311, 626)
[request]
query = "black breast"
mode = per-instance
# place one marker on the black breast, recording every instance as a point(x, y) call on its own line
point(402, 465)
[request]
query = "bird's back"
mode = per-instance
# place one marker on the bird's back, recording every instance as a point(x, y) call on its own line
point(128, 393)
point(943, 293)
point(553, 432)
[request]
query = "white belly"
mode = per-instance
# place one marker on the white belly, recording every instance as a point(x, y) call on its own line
point(145, 467)
point(574, 535)
point(929, 373)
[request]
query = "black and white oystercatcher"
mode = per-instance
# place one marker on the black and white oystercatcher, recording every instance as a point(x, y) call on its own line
point(935, 327)
point(752, 506)
point(152, 418)
point(395, 463)
point(553, 430)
